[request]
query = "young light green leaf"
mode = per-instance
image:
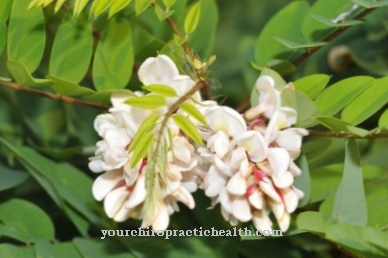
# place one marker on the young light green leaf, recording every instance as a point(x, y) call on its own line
point(141, 5)
point(79, 6)
point(314, 222)
point(67, 88)
point(163, 14)
point(113, 61)
point(340, 94)
point(312, 85)
point(194, 112)
point(285, 24)
point(147, 126)
point(99, 6)
point(358, 131)
point(117, 6)
point(188, 127)
point(383, 120)
point(147, 102)
point(162, 90)
point(58, 5)
point(350, 204)
point(169, 3)
point(294, 45)
point(72, 48)
point(142, 147)
point(22, 34)
point(362, 107)
point(5, 8)
point(332, 123)
point(23, 77)
point(192, 18)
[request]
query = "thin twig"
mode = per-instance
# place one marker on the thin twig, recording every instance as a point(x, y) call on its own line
point(189, 53)
point(54, 96)
point(347, 135)
point(329, 38)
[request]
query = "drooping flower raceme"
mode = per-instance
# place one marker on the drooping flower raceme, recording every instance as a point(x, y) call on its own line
point(248, 169)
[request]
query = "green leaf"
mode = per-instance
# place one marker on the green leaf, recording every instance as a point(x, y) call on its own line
point(350, 204)
point(362, 107)
point(312, 85)
point(14, 231)
point(324, 181)
point(162, 90)
point(12, 251)
point(103, 97)
point(281, 66)
point(377, 238)
point(79, 6)
point(188, 128)
point(67, 250)
point(97, 248)
point(340, 94)
point(294, 45)
point(306, 110)
point(117, 6)
point(113, 61)
point(11, 178)
point(371, 4)
point(147, 102)
point(72, 48)
point(303, 181)
point(332, 123)
point(284, 24)
point(351, 237)
point(314, 222)
point(330, 23)
point(141, 5)
point(99, 6)
point(383, 120)
point(358, 131)
point(322, 151)
point(5, 8)
point(169, 3)
point(38, 224)
point(192, 18)
point(67, 88)
point(23, 77)
point(22, 34)
point(162, 14)
point(147, 126)
point(203, 37)
point(193, 112)
point(314, 30)
point(142, 148)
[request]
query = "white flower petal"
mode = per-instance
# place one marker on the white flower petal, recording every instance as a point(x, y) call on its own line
point(267, 187)
point(162, 219)
point(284, 222)
point(290, 199)
point(261, 221)
point(279, 160)
point(284, 181)
point(226, 119)
point(185, 197)
point(294, 169)
point(257, 200)
point(105, 183)
point(96, 165)
point(138, 194)
point(157, 70)
point(241, 209)
point(115, 200)
point(237, 185)
point(277, 208)
point(226, 202)
point(215, 181)
point(254, 144)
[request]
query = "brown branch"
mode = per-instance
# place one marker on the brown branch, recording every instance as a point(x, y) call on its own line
point(329, 38)
point(54, 96)
point(347, 135)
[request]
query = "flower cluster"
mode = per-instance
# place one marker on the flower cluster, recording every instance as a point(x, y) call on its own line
point(246, 163)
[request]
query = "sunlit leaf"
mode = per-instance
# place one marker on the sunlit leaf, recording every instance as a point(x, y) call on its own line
point(114, 57)
point(117, 6)
point(193, 112)
point(383, 120)
point(294, 45)
point(350, 203)
point(22, 34)
point(340, 94)
point(306, 110)
point(332, 123)
point(192, 18)
point(147, 126)
point(5, 8)
point(147, 102)
point(187, 127)
point(358, 131)
point(169, 3)
point(141, 148)
point(141, 5)
point(162, 90)
point(367, 103)
point(330, 23)
point(99, 6)
point(79, 6)
point(312, 85)
point(23, 77)
point(313, 221)
point(371, 4)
